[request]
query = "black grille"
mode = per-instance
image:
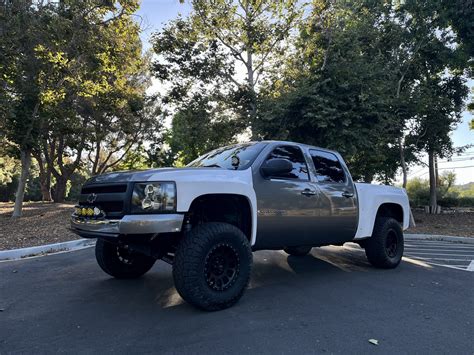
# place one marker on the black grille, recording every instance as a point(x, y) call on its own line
point(108, 189)
point(111, 199)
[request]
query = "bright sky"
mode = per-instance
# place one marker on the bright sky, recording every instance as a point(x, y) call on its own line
point(154, 13)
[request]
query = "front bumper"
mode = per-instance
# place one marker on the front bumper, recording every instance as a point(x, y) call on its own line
point(129, 224)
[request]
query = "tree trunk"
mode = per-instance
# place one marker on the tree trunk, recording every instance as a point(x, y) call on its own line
point(253, 100)
point(20, 193)
point(44, 178)
point(60, 189)
point(433, 200)
point(45, 184)
point(403, 163)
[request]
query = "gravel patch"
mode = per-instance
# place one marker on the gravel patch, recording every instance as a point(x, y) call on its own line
point(41, 223)
point(460, 224)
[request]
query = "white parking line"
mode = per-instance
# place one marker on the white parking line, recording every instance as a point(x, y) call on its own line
point(421, 253)
point(422, 258)
point(430, 244)
point(437, 247)
point(444, 250)
point(445, 254)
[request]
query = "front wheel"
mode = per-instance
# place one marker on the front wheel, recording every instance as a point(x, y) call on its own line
point(385, 248)
point(211, 267)
point(120, 262)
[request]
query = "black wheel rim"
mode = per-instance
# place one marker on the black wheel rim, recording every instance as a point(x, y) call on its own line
point(221, 267)
point(391, 244)
point(125, 256)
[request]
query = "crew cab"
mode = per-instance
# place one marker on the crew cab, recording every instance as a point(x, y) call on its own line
point(207, 218)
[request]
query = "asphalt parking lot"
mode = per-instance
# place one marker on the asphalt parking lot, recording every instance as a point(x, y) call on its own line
point(331, 301)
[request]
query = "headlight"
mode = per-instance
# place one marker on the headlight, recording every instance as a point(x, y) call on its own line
point(153, 197)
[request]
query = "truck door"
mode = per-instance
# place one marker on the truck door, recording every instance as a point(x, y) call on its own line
point(287, 204)
point(337, 198)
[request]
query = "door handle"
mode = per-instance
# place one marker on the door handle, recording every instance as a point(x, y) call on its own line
point(308, 192)
point(348, 194)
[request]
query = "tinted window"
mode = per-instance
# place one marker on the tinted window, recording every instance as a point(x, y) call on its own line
point(295, 156)
point(234, 157)
point(328, 167)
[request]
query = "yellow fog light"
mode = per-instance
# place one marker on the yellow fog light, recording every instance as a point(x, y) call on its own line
point(90, 212)
point(84, 211)
point(78, 211)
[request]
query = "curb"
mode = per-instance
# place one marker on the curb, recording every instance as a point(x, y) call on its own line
point(23, 253)
point(444, 238)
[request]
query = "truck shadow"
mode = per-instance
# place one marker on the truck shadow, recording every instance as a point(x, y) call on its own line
point(272, 271)
point(157, 287)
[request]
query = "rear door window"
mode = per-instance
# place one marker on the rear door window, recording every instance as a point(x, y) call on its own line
point(328, 167)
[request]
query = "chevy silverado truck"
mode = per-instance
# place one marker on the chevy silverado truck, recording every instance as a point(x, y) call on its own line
point(207, 218)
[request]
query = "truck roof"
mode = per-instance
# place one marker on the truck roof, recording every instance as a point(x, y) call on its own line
point(296, 143)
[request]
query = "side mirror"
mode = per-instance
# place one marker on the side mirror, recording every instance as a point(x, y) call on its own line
point(276, 167)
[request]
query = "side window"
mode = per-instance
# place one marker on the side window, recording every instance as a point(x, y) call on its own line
point(295, 156)
point(328, 167)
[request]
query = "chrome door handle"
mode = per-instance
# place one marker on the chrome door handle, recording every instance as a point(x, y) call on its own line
point(348, 194)
point(308, 192)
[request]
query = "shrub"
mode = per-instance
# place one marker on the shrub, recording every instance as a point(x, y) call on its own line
point(418, 191)
point(466, 201)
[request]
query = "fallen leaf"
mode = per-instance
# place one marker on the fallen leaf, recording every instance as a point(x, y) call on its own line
point(374, 341)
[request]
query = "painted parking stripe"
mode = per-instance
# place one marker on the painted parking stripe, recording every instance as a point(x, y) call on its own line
point(442, 252)
point(433, 244)
point(436, 253)
point(445, 254)
point(447, 259)
point(438, 246)
point(436, 249)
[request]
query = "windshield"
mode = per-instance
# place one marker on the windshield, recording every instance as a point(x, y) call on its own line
point(234, 157)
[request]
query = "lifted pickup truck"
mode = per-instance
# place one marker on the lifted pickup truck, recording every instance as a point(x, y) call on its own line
point(207, 218)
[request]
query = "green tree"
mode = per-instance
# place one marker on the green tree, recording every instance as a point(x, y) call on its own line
point(23, 28)
point(253, 31)
point(337, 91)
point(380, 82)
point(433, 81)
point(207, 52)
point(74, 81)
point(100, 108)
point(198, 128)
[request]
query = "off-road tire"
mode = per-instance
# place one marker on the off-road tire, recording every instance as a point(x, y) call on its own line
point(113, 260)
point(380, 248)
point(298, 251)
point(196, 257)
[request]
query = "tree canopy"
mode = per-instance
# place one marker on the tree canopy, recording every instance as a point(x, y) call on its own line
point(382, 82)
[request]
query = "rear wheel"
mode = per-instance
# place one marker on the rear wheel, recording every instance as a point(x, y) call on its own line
point(298, 251)
point(211, 268)
point(385, 248)
point(120, 262)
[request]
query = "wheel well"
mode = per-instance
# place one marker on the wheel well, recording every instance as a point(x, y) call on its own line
point(228, 208)
point(392, 210)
